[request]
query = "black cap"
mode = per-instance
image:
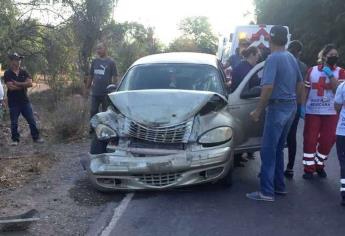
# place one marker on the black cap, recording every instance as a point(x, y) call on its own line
point(279, 35)
point(15, 56)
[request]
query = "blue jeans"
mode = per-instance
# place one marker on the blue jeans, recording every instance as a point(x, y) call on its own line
point(279, 118)
point(26, 111)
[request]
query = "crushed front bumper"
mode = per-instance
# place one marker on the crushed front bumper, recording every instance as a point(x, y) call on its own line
point(120, 171)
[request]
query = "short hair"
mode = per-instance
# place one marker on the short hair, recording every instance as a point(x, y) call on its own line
point(279, 35)
point(250, 51)
point(295, 46)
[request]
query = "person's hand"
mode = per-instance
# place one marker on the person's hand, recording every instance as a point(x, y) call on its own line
point(328, 72)
point(255, 115)
point(302, 112)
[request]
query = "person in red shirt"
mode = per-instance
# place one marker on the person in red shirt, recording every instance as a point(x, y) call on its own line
point(321, 117)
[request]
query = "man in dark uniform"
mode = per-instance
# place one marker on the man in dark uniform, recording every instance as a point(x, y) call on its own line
point(295, 48)
point(18, 81)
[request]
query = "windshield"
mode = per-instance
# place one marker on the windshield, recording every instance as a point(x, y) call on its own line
point(173, 76)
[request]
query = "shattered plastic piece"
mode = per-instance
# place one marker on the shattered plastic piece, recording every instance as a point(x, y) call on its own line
point(19, 222)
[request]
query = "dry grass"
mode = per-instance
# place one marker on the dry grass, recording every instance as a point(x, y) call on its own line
point(70, 118)
point(18, 170)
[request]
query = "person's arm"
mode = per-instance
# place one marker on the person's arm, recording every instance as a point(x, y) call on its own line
point(10, 83)
point(115, 78)
point(26, 84)
point(23, 85)
point(265, 96)
point(90, 77)
point(334, 81)
point(339, 97)
point(268, 80)
point(299, 86)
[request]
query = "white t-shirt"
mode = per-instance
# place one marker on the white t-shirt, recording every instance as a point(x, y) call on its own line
point(1, 92)
point(340, 99)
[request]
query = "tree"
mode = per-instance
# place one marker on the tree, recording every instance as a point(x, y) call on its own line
point(314, 22)
point(197, 36)
point(129, 41)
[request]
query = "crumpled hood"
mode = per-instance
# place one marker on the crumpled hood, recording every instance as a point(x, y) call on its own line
point(160, 107)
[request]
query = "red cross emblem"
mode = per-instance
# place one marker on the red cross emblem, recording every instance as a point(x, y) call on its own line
point(321, 86)
point(261, 32)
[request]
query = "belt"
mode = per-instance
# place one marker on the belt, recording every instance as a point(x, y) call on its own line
point(281, 101)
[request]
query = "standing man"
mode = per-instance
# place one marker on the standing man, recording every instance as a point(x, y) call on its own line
point(18, 81)
point(340, 107)
point(295, 48)
point(280, 81)
point(103, 73)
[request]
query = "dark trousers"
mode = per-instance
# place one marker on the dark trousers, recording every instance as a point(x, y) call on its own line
point(96, 102)
point(26, 111)
point(341, 157)
point(292, 143)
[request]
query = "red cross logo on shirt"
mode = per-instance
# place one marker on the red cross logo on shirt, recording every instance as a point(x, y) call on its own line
point(321, 86)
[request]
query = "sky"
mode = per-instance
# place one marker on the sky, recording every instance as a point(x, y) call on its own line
point(165, 15)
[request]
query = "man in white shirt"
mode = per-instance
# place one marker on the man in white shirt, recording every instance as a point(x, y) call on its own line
point(340, 107)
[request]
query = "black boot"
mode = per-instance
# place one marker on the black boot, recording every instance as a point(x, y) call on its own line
point(288, 173)
point(308, 175)
point(321, 173)
point(343, 201)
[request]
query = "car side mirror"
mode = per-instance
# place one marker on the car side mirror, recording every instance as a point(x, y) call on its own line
point(251, 93)
point(111, 88)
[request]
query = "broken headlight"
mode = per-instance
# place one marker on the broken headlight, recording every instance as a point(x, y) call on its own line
point(103, 132)
point(216, 136)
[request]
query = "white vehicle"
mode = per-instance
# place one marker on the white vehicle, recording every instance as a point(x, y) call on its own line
point(257, 35)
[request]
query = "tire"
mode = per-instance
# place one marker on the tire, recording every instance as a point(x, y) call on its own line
point(227, 181)
point(99, 188)
point(97, 146)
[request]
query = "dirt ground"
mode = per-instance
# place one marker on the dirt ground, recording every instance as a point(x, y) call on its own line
point(49, 178)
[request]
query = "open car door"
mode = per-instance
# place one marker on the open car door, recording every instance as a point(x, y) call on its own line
point(242, 101)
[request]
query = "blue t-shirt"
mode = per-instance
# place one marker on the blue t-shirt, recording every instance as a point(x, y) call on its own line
point(282, 71)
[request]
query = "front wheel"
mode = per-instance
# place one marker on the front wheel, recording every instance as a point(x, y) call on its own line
point(97, 146)
point(227, 180)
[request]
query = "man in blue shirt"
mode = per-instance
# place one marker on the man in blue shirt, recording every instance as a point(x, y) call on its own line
point(281, 79)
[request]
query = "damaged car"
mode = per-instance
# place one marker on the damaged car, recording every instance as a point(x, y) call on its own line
point(173, 122)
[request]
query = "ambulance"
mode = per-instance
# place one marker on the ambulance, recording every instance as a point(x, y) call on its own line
point(257, 35)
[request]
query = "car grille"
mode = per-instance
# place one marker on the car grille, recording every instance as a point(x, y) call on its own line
point(169, 134)
point(159, 180)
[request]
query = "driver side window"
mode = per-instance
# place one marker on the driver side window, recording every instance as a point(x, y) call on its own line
point(253, 87)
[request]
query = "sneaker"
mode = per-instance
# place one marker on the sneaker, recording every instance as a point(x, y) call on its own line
point(321, 173)
point(14, 143)
point(39, 140)
point(258, 196)
point(288, 173)
point(282, 193)
point(308, 175)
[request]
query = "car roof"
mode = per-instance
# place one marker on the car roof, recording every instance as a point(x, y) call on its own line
point(179, 57)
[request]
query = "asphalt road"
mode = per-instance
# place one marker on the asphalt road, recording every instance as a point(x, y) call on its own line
point(310, 208)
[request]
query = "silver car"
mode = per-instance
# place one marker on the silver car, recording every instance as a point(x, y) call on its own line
point(173, 122)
